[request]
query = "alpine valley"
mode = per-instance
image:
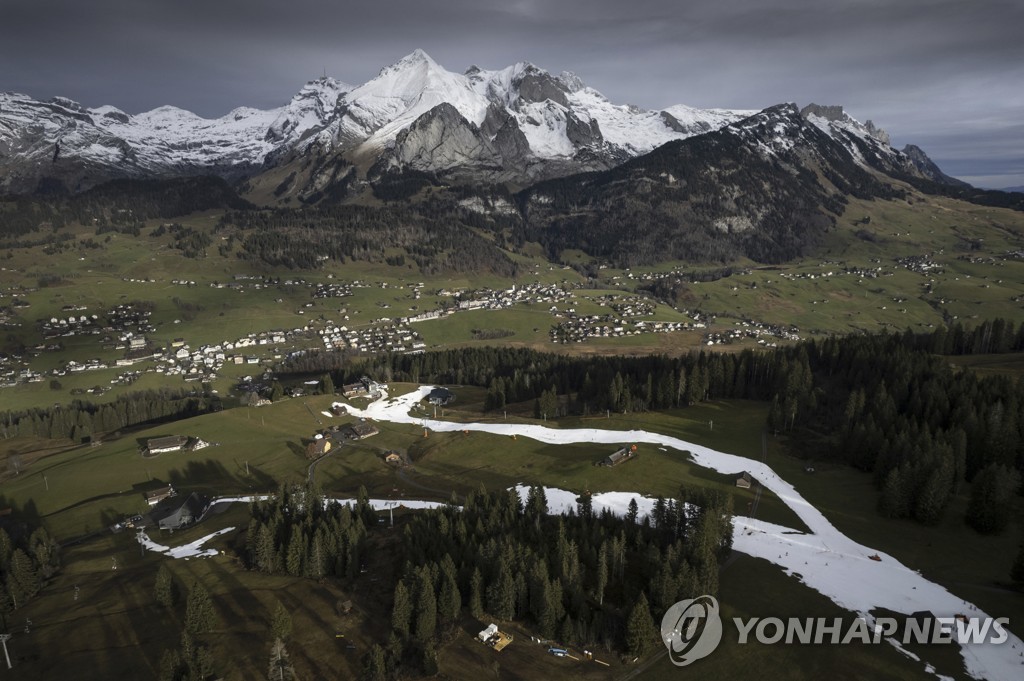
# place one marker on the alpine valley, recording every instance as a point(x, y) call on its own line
point(564, 362)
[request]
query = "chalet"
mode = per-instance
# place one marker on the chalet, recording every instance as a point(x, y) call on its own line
point(743, 481)
point(353, 390)
point(318, 447)
point(620, 455)
point(154, 497)
point(439, 397)
point(394, 458)
point(171, 443)
point(338, 409)
point(189, 512)
point(362, 430)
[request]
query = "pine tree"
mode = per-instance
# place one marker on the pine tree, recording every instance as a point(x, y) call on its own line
point(170, 666)
point(374, 668)
point(991, 503)
point(45, 551)
point(476, 596)
point(401, 611)
point(276, 391)
point(266, 554)
point(425, 617)
point(22, 579)
point(641, 635)
point(295, 558)
point(281, 624)
point(165, 590)
point(280, 666)
point(199, 613)
point(566, 631)
point(501, 595)
point(633, 511)
point(428, 662)
point(602, 571)
point(934, 494)
point(893, 501)
point(450, 600)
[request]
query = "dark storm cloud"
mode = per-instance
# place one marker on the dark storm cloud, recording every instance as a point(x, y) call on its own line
point(946, 75)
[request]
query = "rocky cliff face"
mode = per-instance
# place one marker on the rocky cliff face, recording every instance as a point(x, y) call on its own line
point(927, 167)
point(442, 139)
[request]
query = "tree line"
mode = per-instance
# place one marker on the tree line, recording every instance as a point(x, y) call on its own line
point(436, 240)
point(884, 403)
point(80, 420)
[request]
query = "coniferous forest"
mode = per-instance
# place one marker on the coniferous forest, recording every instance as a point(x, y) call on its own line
point(581, 578)
point(888, 404)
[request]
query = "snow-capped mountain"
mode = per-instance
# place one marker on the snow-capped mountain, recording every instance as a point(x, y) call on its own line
point(766, 187)
point(80, 147)
point(518, 124)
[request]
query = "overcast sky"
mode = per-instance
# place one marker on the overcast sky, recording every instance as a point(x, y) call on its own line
point(947, 75)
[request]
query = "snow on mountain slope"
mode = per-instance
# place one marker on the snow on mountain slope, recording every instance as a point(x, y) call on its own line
point(521, 124)
point(378, 110)
point(62, 139)
point(308, 112)
point(172, 135)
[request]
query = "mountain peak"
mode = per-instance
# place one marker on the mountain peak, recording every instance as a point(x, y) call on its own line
point(571, 81)
point(415, 58)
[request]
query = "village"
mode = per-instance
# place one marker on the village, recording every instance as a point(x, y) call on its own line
point(128, 327)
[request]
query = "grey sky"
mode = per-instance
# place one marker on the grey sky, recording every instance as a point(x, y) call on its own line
point(945, 75)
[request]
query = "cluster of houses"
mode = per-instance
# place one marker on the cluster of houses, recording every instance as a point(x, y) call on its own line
point(580, 328)
point(56, 327)
point(489, 299)
point(681, 275)
point(204, 362)
point(626, 306)
point(125, 321)
point(388, 337)
point(73, 367)
point(846, 271)
point(128, 317)
point(13, 371)
point(535, 293)
point(922, 264)
point(764, 334)
point(339, 289)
